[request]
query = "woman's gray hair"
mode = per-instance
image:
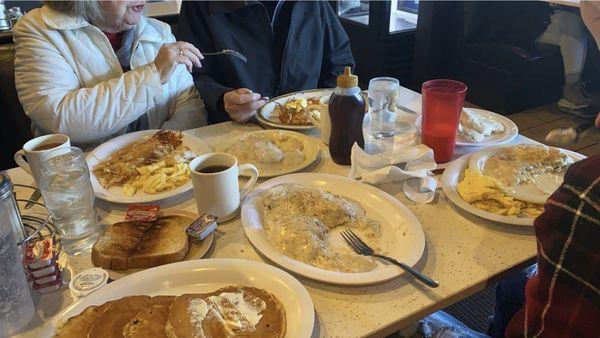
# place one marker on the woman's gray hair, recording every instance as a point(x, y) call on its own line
point(88, 10)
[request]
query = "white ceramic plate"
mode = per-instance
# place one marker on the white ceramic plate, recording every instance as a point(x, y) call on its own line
point(401, 231)
point(201, 276)
point(311, 152)
point(115, 194)
point(267, 116)
point(510, 130)
point(454, 173)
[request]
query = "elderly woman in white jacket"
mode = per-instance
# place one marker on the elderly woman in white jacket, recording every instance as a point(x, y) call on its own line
point(96, 69)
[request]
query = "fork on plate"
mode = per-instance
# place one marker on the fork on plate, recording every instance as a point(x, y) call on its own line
point(362, 248)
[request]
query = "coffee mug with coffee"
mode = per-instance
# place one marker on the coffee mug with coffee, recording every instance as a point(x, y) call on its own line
point(215, 181)
point(35, 148)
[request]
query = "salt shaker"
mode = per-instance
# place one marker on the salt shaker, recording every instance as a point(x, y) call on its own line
point(16, 305)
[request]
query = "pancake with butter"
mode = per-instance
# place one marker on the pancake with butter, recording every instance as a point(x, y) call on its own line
point(229, 312)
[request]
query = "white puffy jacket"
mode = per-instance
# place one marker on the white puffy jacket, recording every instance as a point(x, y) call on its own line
point(69, 79)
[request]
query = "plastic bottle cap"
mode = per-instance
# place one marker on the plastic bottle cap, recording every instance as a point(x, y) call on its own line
point(347, 80)
point(88, 281)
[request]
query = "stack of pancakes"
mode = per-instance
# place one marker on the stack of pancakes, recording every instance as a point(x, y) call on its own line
point(170, 316)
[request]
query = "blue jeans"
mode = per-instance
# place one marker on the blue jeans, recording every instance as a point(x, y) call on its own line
point(510, 298)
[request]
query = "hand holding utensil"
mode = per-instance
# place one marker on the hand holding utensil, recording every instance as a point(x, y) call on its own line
point(566, 136)
point(362, 248)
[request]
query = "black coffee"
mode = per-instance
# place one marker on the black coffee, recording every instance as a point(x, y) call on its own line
point(213, 169)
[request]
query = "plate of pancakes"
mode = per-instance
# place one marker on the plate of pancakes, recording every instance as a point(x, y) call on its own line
point(211, 297)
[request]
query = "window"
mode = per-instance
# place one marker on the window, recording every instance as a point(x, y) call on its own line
point(403, 15)
point(354, 10)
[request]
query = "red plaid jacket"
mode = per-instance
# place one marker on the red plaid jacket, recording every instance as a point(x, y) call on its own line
point(563, 299)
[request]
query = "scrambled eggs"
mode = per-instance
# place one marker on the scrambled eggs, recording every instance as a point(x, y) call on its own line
point(296, 105)
point(157, 177)
point(487, 193)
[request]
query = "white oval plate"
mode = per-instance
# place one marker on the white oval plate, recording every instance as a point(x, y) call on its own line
point(115, 194)
point(267, 117)
point(404, 238)
point(311, 152)
point(454, 173)
point(525, 192)
point(510, 130)
point(202, 276)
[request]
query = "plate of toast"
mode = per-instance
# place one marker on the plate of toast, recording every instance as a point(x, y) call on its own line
point(201, 298)
point(131, 246)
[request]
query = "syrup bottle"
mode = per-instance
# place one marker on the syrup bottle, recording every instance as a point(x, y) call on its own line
point(347, 111)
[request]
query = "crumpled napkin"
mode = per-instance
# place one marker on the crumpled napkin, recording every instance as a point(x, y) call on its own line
point(411, 164)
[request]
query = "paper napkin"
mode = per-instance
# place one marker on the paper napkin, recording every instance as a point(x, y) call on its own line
point(410, 164)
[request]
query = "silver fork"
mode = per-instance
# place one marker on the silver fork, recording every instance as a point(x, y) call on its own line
point(228, 52)
point(362, 248)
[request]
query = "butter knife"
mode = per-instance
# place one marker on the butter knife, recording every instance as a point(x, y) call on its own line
point(35, 196)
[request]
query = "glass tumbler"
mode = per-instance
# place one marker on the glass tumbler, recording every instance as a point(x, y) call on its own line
point(16, 305)
point(442, 104)
point(379, 126)
point(69, 196)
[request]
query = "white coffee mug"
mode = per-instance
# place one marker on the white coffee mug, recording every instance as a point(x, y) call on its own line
point(215, 181)
point(323, 122)
point(35, 148)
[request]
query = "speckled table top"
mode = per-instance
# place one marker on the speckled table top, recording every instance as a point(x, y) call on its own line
point(463, 252)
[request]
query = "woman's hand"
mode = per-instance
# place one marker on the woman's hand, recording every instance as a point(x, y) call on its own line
point(171, 55)
point(241, 104)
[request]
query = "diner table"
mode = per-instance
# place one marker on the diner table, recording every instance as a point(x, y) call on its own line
point(463, 252)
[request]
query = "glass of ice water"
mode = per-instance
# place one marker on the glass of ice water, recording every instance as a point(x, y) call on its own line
point(379, 125)
point(69, 196)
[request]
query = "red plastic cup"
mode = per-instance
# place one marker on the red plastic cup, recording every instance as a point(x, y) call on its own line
point(442, 103)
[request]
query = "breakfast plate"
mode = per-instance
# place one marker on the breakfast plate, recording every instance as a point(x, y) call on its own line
point(510, 130)
point(454, 174)
point(268, 116)
point(402, 235)
point(310, 151)
point(115, 194)
point(203, 276)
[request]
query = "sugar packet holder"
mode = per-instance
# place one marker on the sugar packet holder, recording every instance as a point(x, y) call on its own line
point(202, 227)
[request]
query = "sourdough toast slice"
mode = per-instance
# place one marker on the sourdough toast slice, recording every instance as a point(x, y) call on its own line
point(150, 322)
point(212, 315)
point(134, 244)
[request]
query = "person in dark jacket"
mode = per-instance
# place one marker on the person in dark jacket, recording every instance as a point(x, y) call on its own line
point(290, 46)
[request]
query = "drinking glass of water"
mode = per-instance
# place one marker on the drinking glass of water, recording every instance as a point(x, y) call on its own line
point(379, 125)
point(68, 194)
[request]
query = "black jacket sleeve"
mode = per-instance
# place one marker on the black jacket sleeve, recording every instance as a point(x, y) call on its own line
point(193, 27)
point(336, 47)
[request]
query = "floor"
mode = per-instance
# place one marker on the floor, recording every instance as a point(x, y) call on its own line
point(536, 123)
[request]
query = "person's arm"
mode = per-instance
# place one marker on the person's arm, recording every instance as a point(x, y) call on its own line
point(53, 97)
point(336, 49)
point(193, 28)
point(189, 111)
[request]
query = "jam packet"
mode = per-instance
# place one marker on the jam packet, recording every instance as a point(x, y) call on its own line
point(38, 253)
point(141, 212)
point(202, 226)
